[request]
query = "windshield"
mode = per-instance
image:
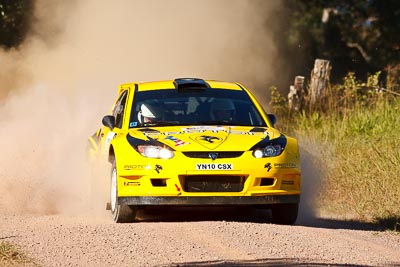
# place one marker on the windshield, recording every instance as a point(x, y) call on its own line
point(207, 107)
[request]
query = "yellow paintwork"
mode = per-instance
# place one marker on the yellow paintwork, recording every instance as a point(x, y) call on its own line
point(160, 85)
point(135, 171)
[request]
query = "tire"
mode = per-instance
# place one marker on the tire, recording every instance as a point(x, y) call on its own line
point(120, 213)
point(284, 213)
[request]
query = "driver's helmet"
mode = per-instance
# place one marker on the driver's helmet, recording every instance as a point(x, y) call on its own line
point(149, 113)
point(222, 110)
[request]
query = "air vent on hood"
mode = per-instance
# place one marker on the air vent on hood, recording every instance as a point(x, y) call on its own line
point(190, 84)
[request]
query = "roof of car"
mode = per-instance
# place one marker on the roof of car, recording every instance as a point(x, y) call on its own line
point(172, 84)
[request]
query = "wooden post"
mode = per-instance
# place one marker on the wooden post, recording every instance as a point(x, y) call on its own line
point(296, 94)
point(319, 80)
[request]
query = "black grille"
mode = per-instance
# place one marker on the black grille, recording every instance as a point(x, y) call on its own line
point(220, 155)
point(213, 183)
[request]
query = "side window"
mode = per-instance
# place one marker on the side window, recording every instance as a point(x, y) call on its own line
point(119, 108)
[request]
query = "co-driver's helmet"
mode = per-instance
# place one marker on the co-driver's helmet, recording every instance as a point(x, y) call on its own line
point(222, 109)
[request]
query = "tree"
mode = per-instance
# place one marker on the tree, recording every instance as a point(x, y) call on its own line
point(362, 36)
point(15, 17)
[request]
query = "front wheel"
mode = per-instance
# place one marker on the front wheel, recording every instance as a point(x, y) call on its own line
point(120, 213)
point(284, 213)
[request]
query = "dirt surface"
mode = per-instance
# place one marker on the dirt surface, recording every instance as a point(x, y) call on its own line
point(201, 237)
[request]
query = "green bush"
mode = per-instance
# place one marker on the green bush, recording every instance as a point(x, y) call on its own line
point(358, 134)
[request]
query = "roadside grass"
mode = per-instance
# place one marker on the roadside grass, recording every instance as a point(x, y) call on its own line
point(10, 255)
point(358, 139)
point(362, 157)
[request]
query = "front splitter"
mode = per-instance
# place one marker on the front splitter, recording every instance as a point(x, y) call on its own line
point(211, 200)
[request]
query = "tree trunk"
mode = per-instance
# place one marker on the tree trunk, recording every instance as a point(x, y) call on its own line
point(296, 94)
point(319, 81)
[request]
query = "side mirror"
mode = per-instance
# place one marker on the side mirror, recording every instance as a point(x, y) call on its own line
point(109, 121)
point(272, 119)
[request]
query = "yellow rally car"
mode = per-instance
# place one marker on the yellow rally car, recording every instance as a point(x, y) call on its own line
point(194, 142)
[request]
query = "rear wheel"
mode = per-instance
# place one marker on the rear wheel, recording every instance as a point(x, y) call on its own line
point(120, 213)
point(285, 213)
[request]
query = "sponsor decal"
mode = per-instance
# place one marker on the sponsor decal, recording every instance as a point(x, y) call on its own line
point(201, 129)
point(131, 183)
point(133, 124)
point(288, 182)
point(158, 168)
point(289, 165)
point(238, 132)
point(177, 141)
point(217, 129)
point(169, 133)
point(137, 167)
point(268, 166)
point(152, 135)
point(214, 166)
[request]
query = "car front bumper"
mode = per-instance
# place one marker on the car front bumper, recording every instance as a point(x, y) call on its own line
point(211, 200)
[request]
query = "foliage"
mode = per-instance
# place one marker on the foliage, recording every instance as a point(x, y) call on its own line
point(357, 136)
point(363, 177)
point(11, 255)
point(278, 102)
point(358, 36)
point(15, 17)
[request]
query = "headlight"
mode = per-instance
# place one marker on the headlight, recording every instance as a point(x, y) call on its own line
point(269, 148)
point(155, 152)
point(268, 151)
point(150, 148)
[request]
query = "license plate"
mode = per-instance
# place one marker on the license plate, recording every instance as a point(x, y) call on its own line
point(214, 166)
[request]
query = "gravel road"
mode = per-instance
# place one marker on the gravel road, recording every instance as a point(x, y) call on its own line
point(201, 237)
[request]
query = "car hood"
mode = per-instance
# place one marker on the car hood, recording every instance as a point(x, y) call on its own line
point(204, 138)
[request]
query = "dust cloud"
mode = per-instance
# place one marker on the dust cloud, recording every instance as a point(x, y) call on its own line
point(55, 88)
point(312, 172)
